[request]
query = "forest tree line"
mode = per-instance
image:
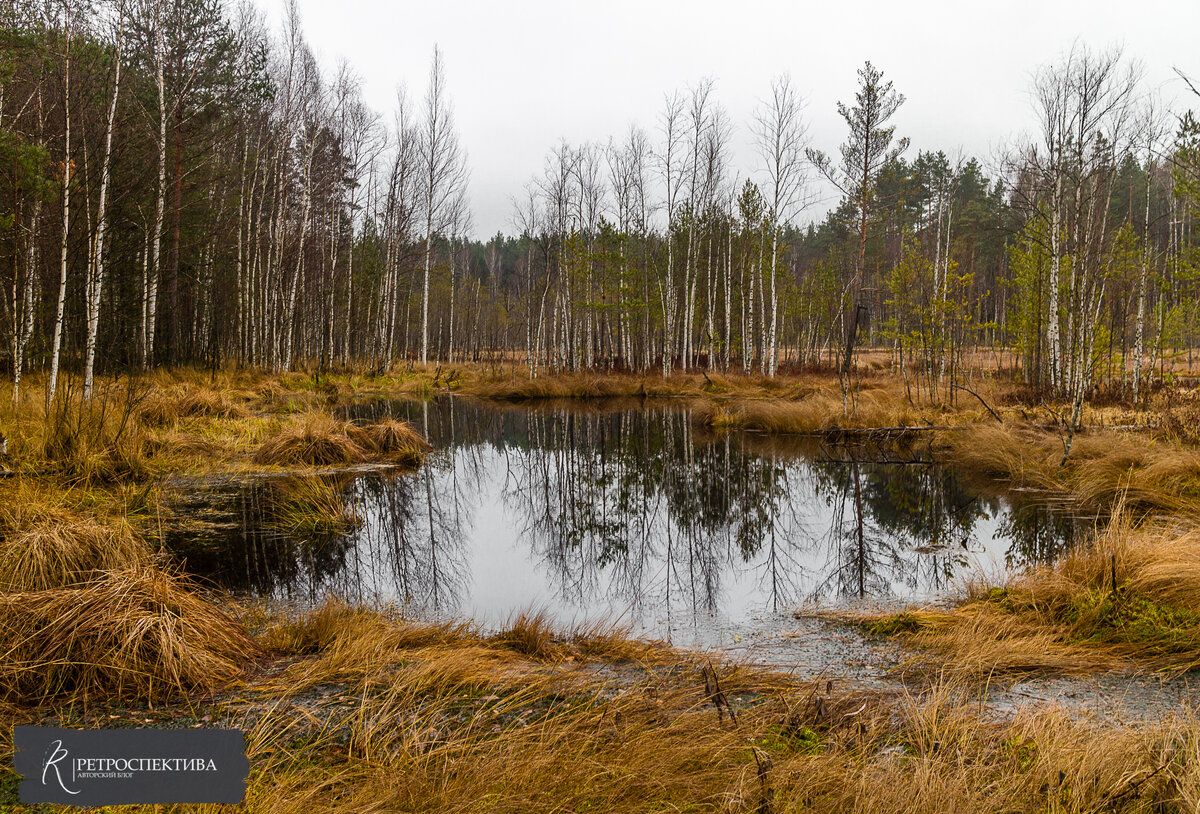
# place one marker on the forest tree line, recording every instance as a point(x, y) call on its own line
point(180, 184)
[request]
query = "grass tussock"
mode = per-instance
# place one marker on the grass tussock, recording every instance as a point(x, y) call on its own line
point(532, 634)
point(162, 407)
point(138, 632)
point(314, 439)
point(1103, 468)
point(318, 439)
point(389, 438)
point(47, 540)
point(1130, 597)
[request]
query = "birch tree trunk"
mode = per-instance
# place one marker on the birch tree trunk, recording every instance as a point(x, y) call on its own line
point(95, 287)
point(305, 212)
point(22, 325)
point(66, 217)
point(160, 201)
point(1053, 341)
point(1139, 343)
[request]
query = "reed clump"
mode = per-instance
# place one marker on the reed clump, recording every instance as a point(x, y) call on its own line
point(318, 439)
point(532, 634)
point(1131, 597)
point(137, 633)
point(314, 439)
point(48, 540)
point(389, 438)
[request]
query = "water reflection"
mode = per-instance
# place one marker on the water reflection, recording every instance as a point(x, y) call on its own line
point(625, 513)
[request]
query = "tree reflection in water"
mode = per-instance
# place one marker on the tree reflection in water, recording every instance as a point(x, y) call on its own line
point(627, 511)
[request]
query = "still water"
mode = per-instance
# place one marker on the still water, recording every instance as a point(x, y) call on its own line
point(620, 512)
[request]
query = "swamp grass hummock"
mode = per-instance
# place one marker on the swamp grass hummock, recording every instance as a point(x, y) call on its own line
point(139, 633)
point(1129, 598)
point(317, 439)
point(49, 540)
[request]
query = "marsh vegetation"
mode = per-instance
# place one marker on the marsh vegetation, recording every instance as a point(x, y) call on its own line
point(333, 601)
point(456, 524)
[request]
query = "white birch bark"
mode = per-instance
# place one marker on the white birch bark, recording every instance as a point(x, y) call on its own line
point(66, 215)
point(95, 286)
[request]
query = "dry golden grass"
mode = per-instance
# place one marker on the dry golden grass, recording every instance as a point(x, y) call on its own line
point(1130, 598)
point(520, 386)
point(817, 412)
point(317, 439)
point(314, 439)
point(472, 724)
point(47, 540)
point(533, 718)
point(138, 632)
point(1104, 467)
point(93, 441)
point(371, 713)
point(352, 642)
point(166, 406)
point(389, 438)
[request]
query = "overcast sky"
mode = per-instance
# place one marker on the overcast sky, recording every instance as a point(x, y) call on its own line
point(524, 75)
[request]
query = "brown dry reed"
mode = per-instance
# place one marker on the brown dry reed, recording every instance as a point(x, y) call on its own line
point(318, 439)
point(49, 540)
point(135, 633)
point(473, 724)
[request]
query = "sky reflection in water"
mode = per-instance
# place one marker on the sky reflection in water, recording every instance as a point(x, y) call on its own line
point(625, 513)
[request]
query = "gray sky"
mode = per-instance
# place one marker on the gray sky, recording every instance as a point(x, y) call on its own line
point(522, 75)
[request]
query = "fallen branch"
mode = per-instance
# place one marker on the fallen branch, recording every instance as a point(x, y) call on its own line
point(986, 406)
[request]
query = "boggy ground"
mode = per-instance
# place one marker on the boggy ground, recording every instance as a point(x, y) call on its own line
point(352, 711)
point(347, 709)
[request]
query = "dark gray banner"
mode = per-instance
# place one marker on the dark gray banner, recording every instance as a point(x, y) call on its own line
point(95, 767)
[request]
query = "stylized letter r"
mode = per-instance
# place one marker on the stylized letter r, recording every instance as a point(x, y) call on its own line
point(52, 763)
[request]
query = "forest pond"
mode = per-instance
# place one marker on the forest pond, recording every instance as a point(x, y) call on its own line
point(621, 512)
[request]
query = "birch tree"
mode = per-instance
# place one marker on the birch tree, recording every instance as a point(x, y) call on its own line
point(98, 266)
point(781, 135)
point(668, 158)
point(1152, 131)
point(55, 353)
point(443, 173)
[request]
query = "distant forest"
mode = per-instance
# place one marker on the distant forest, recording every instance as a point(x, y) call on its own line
point(181, 185)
